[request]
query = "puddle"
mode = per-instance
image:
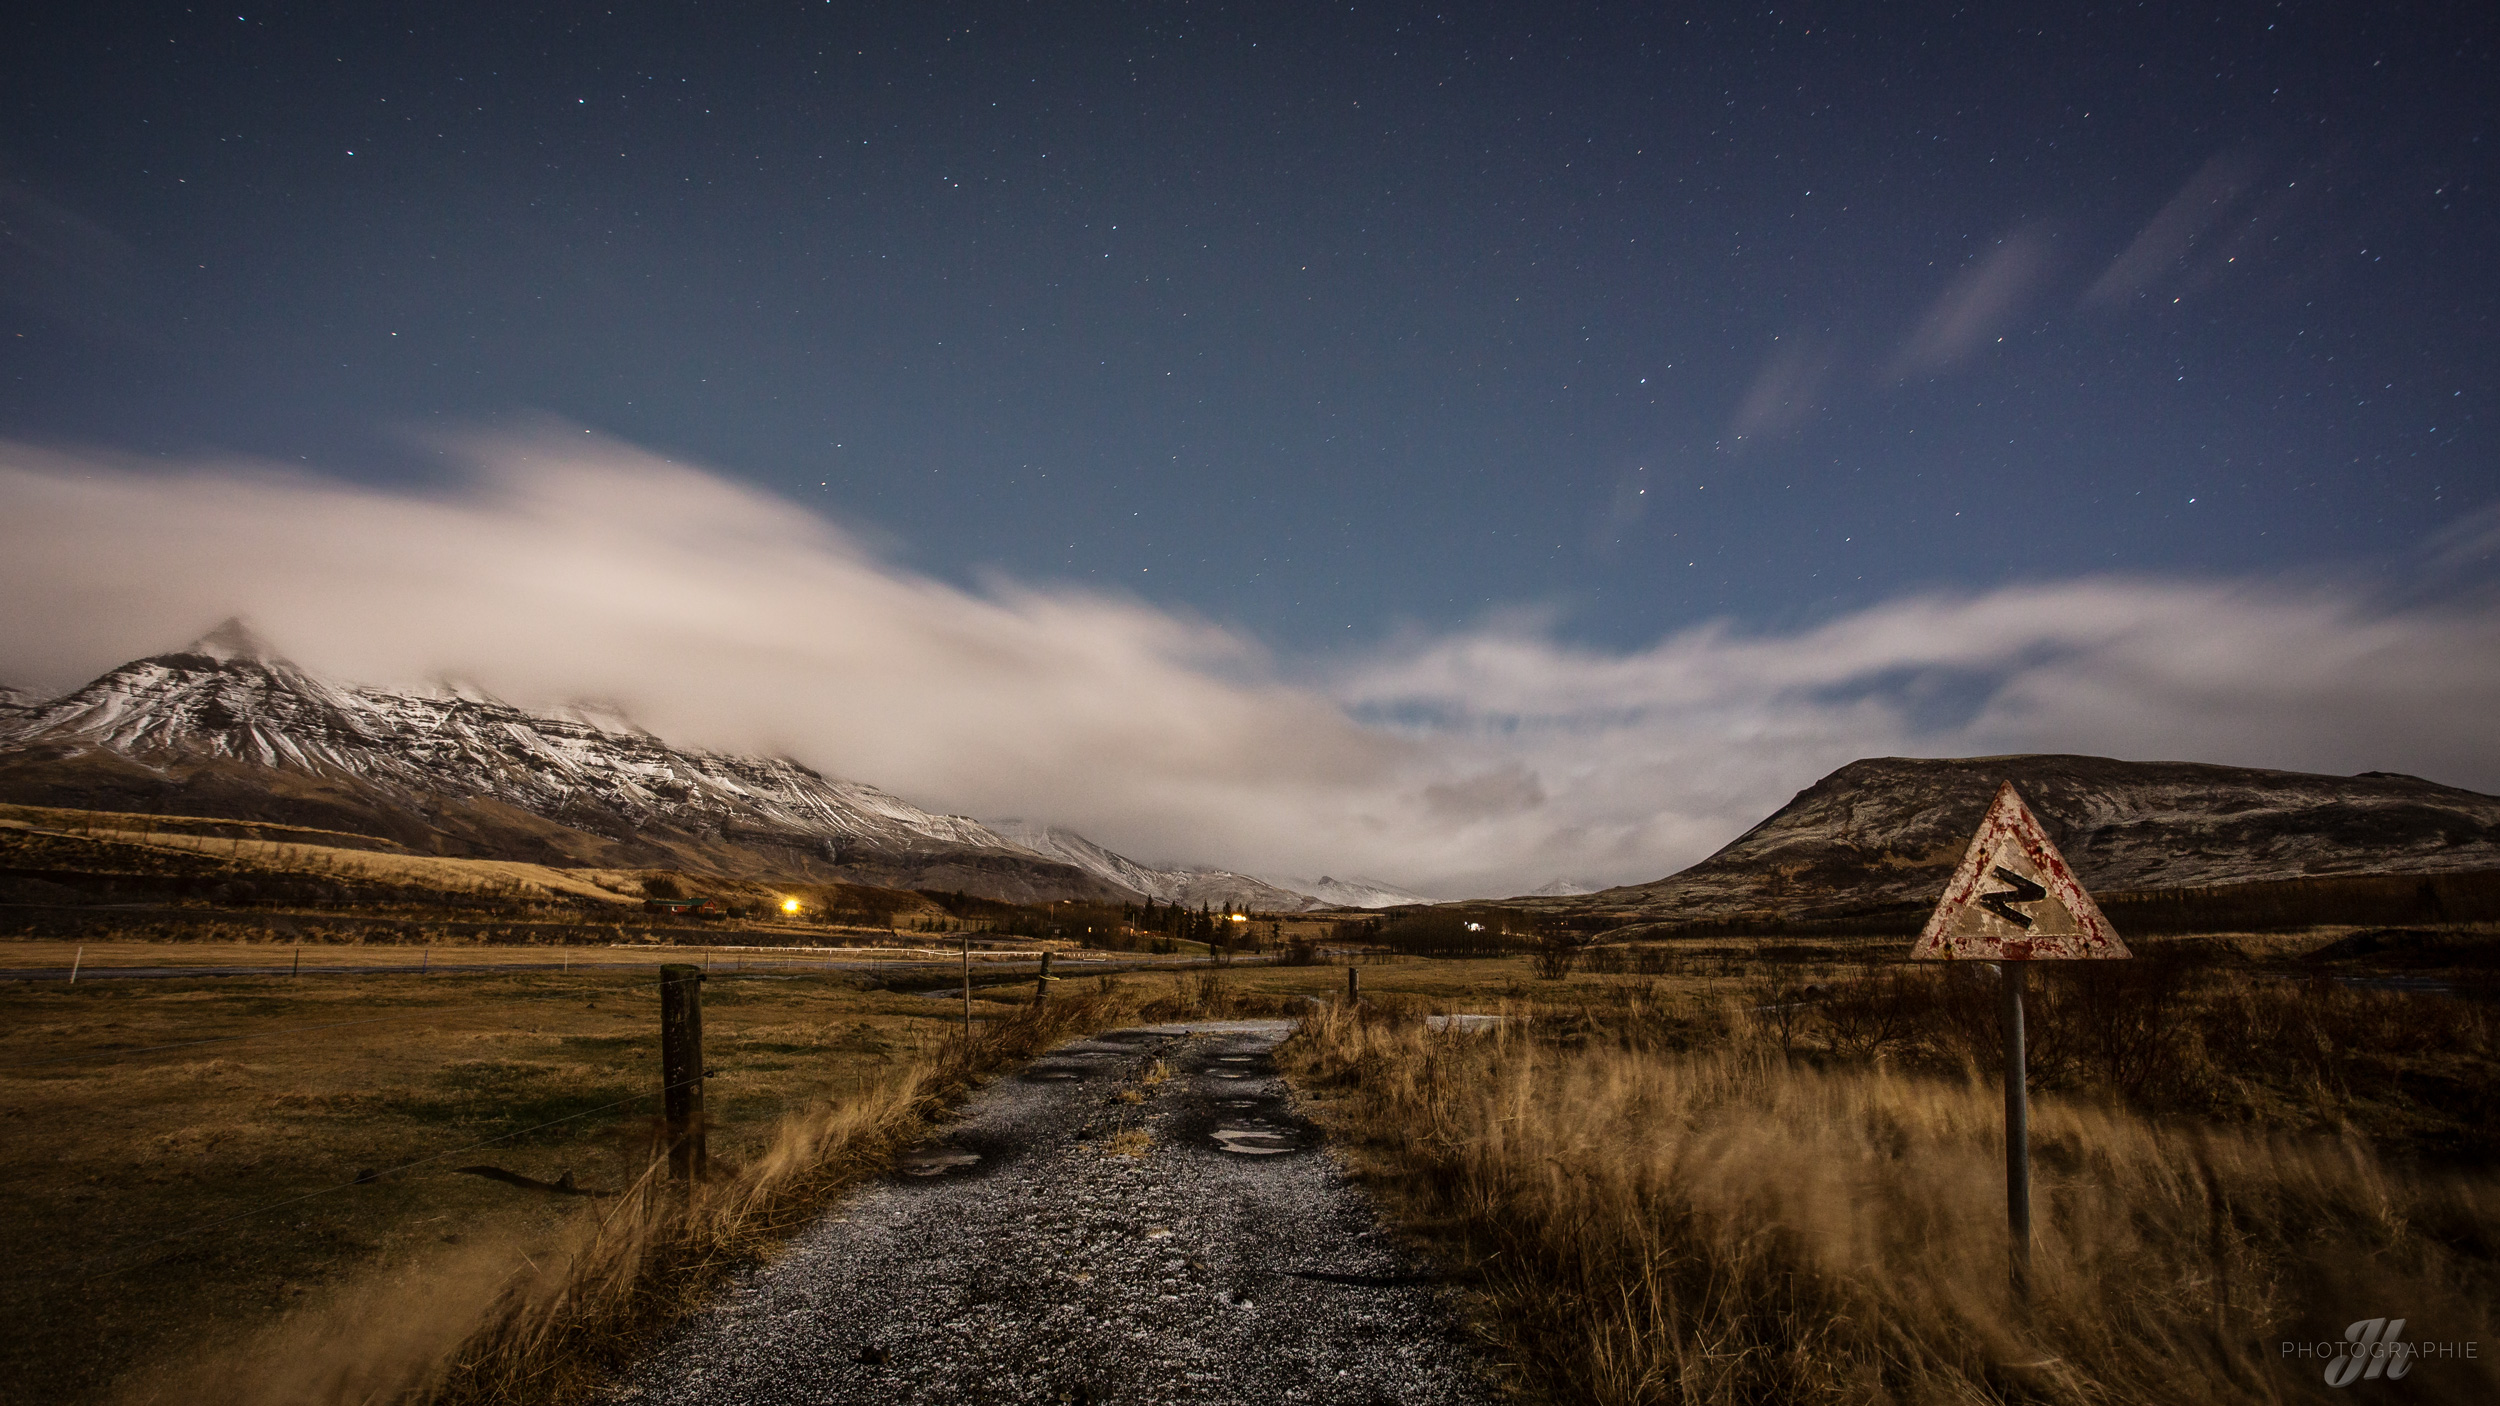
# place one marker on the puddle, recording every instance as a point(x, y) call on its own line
point(1227, 1074)
point(1238, 1059)
point(1241, 1103)
point(1462, 1022)
point(1052, 1075)
point(1253, 1142)
point(937, 1161)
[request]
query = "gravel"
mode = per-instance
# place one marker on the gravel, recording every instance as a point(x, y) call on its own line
point(1022, 1257)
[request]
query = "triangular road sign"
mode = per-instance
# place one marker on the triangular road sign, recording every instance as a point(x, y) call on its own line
point(2014, 900)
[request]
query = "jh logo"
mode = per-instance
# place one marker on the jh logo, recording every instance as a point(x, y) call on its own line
point(2378, 1350)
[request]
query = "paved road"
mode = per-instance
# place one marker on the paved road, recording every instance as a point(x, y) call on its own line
point(1021, 1258)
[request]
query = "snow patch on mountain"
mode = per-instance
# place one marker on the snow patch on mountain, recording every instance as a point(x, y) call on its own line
point(1190, 886)
point(1353, 893)
point(1561, 888)
point(230, 697)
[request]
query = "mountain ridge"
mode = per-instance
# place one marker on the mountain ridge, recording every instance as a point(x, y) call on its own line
point(1190, 886)
point(228, 727)
point(1883, 833)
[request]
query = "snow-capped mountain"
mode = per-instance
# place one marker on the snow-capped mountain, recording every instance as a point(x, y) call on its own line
point(1353, 893)
point(1189, 886)
point(1561, 888)
point(228, 727)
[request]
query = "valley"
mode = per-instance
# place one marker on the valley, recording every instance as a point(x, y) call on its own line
point(343, 1001)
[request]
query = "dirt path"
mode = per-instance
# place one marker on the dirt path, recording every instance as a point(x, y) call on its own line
point(1021, 1259)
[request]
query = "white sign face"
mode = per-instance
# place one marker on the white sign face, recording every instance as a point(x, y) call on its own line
point(2014, 900)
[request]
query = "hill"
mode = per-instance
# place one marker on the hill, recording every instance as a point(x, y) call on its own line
point(1875, 841)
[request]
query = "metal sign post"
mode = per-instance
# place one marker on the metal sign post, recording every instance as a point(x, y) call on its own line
point(2013, 901)
point(2010, 984)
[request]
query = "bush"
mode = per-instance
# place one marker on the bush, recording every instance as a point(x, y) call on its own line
point(1555, 954)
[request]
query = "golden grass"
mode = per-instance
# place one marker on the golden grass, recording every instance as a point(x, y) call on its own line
point(500, 877)
point(124, 1131)
point(277, 957)
point(1727, 1226)
point(67, 820)
point(556, 1325)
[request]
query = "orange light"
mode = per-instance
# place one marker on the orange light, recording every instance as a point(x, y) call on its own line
point(789, 905)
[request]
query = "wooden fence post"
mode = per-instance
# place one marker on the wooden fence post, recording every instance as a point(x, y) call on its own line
point(681, 1068)
point(967, 993)
point(1041, 985)
point(76, 962)
point(1353, 983)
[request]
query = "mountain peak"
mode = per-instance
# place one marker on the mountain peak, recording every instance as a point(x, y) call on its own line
point(233, 640)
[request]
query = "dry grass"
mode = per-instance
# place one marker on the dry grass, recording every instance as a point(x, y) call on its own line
point(1128, 1142)
point(546, 1322)
point(425, 1286)
point(125, 1134)
point(359, 862)
point(258, 952)
point(1726, 1225)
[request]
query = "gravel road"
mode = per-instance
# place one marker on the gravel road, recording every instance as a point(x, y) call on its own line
point(1024, 1256)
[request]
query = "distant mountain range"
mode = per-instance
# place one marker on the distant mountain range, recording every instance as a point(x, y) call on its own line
point(1878, 838)
point(1354, 893)
point(227, 728)
point(1188, 887)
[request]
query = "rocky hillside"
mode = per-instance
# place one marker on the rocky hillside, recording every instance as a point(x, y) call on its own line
point(227, 728)
point(1879, 837)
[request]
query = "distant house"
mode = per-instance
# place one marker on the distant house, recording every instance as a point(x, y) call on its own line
point(683, 907)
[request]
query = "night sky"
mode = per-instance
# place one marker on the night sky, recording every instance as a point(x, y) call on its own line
point(1336, 328)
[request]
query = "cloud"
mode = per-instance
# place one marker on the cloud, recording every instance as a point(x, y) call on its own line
point(1979, 305)
point(1482, 761)
point(2471, 541)
point(1784, 392)
point(2160, 250)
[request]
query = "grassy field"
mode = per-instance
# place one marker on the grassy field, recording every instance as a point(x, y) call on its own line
point(1710, 1171)
point(760, 952)
point(301, 850)
point(1782, 1180)
point(197, 1164)
point(246, 1111)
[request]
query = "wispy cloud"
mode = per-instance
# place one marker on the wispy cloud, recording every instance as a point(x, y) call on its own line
point(1482, 761)
point(2160, 250)
point(1785, 392)
point(1980, 305)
